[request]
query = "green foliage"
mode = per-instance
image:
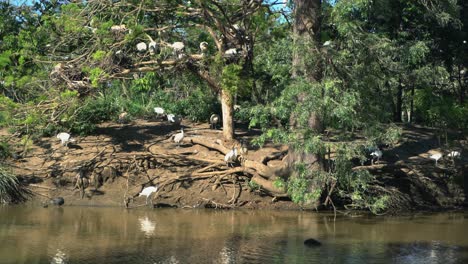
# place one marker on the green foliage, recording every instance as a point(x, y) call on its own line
point(254, 186)
point(11, 190)
point(4, 150)
point(93, 111)
point(303, 188)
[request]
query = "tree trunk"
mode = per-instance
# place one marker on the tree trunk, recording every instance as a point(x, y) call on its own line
point(410, 119)
point(306, 32)
point(399, 102)
point(307, 29)
point(228, 117)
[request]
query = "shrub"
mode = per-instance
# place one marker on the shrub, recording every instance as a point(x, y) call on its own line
point(11, 190)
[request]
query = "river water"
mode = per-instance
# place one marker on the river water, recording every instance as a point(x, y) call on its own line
point(116, 235)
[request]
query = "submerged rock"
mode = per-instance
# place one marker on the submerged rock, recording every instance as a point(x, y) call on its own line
point(57, 201)
point(312, 242)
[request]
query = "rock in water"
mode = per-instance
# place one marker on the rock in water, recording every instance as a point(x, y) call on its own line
point(312, 242)
point(57, 201)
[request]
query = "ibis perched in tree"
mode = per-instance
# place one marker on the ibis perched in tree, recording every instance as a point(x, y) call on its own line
point(178, 49)
point(65, 138)
point(153, 47)
point(179, 137)
point(231, 157)
point(231, 52)
point(148, 191)
point(141, 47)
point(203, 46)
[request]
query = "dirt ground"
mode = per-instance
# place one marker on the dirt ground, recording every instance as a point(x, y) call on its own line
point(118, 160)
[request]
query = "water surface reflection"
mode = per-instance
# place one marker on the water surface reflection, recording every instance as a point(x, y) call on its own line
point(115, 235)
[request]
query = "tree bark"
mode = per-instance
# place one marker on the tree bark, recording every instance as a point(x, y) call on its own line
point(399, 102)
point(228, 114)
point(306, 31)
point(410, 119)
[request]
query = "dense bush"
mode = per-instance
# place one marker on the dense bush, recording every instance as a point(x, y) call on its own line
point(11, 190)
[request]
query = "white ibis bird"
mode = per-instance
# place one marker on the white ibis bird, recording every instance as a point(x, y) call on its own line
point(65, 138)
point(179, 137)
point(174, 119)
point(153, 47)
point(244, 149)
point(203, 46)
point(178, 46)
point(119, 28)
point(231, 156)
point(376, 154)
point(436, 156)
point(141, 47)
point(454, 154)
point(230, 52)
point(159, 111)
point(178, 49)
point(214, 120)
point(123, 117)
point(147, 191)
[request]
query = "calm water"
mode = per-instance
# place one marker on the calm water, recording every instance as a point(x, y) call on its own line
point(115, 235)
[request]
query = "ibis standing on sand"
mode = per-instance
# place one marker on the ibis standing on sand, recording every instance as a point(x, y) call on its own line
point(65, 138)
point(174, 119)
point(214, 120)
point(179, 137)
point(147, 191)
point(436, 156)
point(159, 111)
point(123, 117)
point(231, 157)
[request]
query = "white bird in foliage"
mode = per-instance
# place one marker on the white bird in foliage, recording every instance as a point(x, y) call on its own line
point(179, 137)
point(147, 191)
point(436, 156)
point(65, 138)
point(159, 111)
point(177, 46)
point(203, 46)
point(153, 47)
point(230, 52)
point(376, 154)
point(141, 47)
point(454, 154)
point(231, 156)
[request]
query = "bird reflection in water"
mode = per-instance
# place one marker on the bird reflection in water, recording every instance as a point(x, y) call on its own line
point(59, 258)
point(147, 226)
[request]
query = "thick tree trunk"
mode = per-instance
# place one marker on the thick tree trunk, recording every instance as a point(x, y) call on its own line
point(306, 36)
point(228, 117)
point(305, 30)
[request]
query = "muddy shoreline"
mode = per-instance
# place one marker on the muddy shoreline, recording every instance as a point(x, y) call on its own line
point(120, 159)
